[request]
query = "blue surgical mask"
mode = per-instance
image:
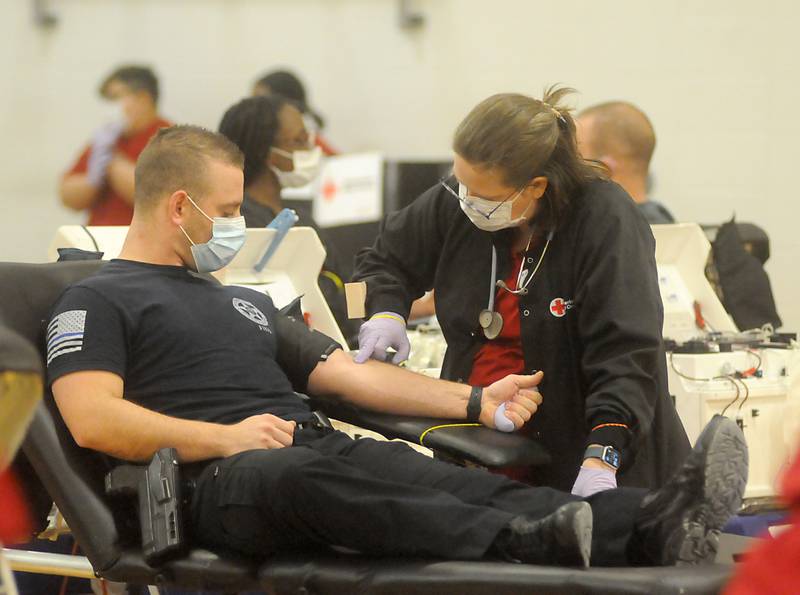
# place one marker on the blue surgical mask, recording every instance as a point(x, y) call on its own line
point(227, 238)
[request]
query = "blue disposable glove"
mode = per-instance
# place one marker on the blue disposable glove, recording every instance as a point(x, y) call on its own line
point(383, 330)
point(102, 151)
point(590, 481)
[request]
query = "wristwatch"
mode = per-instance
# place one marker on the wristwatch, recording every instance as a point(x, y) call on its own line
point(608, 454)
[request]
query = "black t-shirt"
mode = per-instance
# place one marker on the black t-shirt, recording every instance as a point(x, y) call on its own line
point(655, 212)
point(256, 214)
point(185, 346)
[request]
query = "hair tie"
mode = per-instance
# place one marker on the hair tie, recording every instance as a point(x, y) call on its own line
point(556, 113)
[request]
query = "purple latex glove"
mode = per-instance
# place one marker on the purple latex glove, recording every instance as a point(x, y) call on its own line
point(103, 142)
point(383, 330)
point(590, 481)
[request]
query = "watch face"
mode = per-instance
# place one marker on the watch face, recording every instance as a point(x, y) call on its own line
point(611, 457)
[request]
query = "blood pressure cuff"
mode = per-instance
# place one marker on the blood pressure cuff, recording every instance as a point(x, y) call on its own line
point(300, 349)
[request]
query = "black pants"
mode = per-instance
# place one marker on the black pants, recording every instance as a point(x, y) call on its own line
point(379, 498)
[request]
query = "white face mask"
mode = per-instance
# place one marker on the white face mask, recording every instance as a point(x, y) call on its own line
point(113, 112)
point(227, 238)
point(306, 167)
point(487, 214)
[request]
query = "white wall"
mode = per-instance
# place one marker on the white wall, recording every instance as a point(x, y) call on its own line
point(718, 78)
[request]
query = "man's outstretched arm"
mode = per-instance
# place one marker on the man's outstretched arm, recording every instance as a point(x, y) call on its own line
point(390, 389)
point(99, 418)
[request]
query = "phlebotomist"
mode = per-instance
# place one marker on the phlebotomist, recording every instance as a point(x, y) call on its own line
point(538, 261)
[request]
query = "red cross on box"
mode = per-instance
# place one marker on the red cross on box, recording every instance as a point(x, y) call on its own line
point(329, 190)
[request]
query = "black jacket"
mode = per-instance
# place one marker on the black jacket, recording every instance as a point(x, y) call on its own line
point(603, 360)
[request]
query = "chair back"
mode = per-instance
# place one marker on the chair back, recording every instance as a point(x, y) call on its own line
point(72, 476)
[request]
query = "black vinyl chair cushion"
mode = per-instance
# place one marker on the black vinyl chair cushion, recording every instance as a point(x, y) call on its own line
point(17, 354)
point(29, 291)
point(198, 570)
point(481, 445)
point(335, 574)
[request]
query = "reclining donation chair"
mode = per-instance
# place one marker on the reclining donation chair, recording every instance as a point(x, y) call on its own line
point(73, 477)
point(20, 393)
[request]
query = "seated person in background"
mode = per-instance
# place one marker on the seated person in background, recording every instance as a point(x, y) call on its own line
point(101, 180)
point(278, 153)
point(145, 355)
point(271, 134)
point(286, 84)
point(620, 135)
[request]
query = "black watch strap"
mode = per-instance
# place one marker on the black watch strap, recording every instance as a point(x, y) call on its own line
point(474, 404)
point(608, 454)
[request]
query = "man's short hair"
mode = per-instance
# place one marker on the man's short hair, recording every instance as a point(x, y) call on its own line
point(623, 130)
point(136, 78)
point(176, 158)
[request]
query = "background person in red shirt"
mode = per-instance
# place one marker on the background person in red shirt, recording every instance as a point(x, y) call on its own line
point(102, 178)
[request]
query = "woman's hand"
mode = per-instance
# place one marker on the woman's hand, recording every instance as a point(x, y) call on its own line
point(383, 330)
point(594, 476)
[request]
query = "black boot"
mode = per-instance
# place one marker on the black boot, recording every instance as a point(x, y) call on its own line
point(679, 524)
point(563, 538)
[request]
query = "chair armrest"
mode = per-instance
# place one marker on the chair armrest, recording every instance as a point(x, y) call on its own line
point(480, 445)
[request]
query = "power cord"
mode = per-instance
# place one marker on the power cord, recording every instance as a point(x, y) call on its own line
point(432, 428)
point(729, 377)
point(91, 237)
point(746, 396)
point(750, 373)
point(732, 379)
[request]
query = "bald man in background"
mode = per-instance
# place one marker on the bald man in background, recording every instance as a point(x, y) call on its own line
point(621, 136)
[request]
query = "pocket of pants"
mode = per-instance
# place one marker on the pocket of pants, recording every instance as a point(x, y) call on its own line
point(237, 486)
point(241, 518)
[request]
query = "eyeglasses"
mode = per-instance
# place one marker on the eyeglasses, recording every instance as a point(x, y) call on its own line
point(468, 203)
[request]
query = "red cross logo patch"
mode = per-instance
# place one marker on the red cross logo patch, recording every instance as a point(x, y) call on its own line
point(559, 307)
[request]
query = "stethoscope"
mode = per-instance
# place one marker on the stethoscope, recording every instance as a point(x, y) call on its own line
point(491, 321)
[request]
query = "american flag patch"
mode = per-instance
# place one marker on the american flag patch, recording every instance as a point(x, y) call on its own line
point(65, 333)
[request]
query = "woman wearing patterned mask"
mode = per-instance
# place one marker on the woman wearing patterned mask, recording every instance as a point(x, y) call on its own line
point(538, 261)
